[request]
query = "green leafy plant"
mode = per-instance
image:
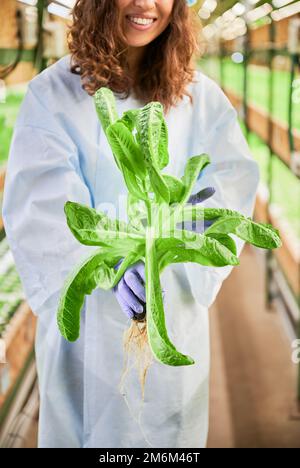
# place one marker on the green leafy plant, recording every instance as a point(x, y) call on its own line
point(156, 203)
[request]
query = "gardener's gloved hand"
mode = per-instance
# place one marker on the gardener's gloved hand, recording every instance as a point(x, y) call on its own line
point(201, 196)
point(130, 291)
point(199, 226)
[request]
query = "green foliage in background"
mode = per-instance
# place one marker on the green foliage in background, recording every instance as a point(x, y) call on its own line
point(258, 94)
point(258, 86)
point(8, 115)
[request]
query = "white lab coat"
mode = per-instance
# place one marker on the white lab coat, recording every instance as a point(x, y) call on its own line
point(58, 153)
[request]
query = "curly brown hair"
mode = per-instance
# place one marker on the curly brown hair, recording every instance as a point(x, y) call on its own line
point(98, 52)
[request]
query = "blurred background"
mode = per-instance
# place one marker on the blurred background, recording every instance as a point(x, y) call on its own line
point(252, 50)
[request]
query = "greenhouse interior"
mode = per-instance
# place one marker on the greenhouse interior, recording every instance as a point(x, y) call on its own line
point(251, 50)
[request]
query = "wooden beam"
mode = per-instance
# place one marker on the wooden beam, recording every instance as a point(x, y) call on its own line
point(258, 122)
point(288, 255)
point(18, 342)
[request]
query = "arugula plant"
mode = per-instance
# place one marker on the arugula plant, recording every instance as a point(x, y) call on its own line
point(156, 203)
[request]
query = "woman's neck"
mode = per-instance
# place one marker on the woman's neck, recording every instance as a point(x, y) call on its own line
point(134, 57)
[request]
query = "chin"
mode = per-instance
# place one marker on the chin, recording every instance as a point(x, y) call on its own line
point(138, 42)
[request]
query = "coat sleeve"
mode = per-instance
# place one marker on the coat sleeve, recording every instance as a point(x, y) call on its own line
point(235, 176)
point(43, 172)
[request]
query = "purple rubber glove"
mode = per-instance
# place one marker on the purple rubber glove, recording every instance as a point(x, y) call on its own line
point(130, 291)
point(201, 196)
point(199, 226)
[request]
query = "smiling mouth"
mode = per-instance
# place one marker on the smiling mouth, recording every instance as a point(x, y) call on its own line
point(140, 23)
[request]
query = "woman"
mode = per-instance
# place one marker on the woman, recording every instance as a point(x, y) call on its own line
point(59, 152)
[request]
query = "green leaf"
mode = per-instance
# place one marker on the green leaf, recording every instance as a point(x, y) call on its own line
point(212, 213)
point(149, 126)
point(175, 186)
point(106, 107)
point(192, 170)
point(191, 212)
point(95, 271)
point(159, 342)
point(129, 118)
point(136, 212)
point(125, 149)
point(225, 240)
point(210, 254)
point(158, 184)
point(188, 213)
point(133, 184)
point(163, 158)
point(209, 251)
point(82, 281)
point(149, 123)
point(261, 235)
point(91, 227)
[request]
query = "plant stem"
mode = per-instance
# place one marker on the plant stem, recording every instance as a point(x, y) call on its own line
point(149, 212)
point(149, 254)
